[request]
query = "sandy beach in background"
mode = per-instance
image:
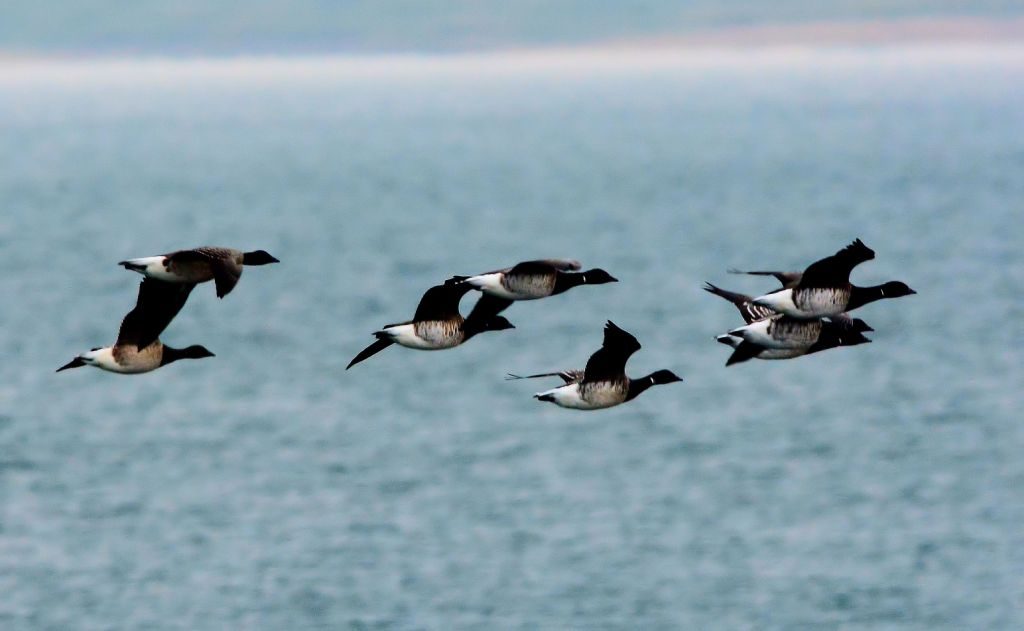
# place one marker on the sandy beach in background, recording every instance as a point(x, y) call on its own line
point(927, 40)
point(848, 33)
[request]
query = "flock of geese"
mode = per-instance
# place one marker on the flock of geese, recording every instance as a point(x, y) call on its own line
point(808, 314)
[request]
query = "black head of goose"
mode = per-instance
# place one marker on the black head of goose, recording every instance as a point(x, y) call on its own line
point(437, 323)
point(198, 265)
point(604, 382)
point(860, 296)
point(138, 348)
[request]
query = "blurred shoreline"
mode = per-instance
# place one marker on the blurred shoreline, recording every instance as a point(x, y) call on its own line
point(918, 40)
point(932, 30)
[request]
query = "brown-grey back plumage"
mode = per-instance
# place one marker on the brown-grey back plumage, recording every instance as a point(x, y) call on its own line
point(224, 265)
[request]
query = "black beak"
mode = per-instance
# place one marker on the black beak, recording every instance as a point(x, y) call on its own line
point(74, 363)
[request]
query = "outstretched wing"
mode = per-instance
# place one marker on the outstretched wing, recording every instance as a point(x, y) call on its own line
point(568, 376)
point(369, 351)
point(788, 279)
point(747, 309)
point(743, 352)
point(156, 306)
point(222, 262)
point(609, 362)
point(834, 271)
point(561, 265)
point(441, 302)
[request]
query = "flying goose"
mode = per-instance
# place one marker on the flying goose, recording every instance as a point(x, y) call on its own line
point(604, 383)
point(198, 265)
point(825, 290)
point(137, 348)
point(783, 332)
point(531, 280)
point(437, 323)
point(831, 336)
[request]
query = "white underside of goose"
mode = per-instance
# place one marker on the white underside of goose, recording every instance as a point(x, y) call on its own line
point(491, 284)
point(781, 301)
point(568, 396)
point(406, 335)
point(757, 333)
point(153, 267)
point(103, 358)
point(822, 303)
point(766, 353)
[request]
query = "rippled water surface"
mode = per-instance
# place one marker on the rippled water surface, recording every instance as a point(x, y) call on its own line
point(870, 487)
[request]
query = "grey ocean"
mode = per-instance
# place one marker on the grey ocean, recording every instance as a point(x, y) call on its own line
point(876, 487)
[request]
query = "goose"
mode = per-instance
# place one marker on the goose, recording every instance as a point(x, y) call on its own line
point(137, 349)
point(832, 336)
point(198, 265)
point(603, 383)
point(437, 323)
point(825, 290)
point(532, 280)
point(783, 332)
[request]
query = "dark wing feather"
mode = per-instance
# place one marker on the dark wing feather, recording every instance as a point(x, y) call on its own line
point(156, 306)
point(370, 350)
point(744, 304)
point(540, 268)
point(788, 279)
point(834, 271)
point(226, 271)
point(743, 352)
point(225, 275)
point(441, 302)
point(205, 253)
point(609, 362)
point(568, 376)
point(487, 307)
point(562, 265)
